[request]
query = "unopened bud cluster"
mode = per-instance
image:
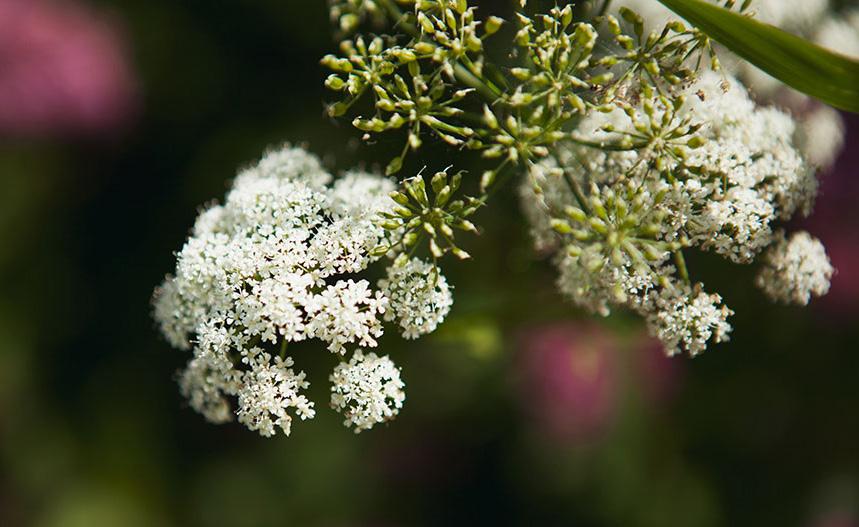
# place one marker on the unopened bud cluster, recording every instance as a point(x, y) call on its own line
point(417, 216)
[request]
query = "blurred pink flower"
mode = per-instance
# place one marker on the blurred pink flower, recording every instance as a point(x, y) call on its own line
point(62, 69)
point(836, 222)
point(571, 377)
point(656, 374)
point(575, 375)
point(838, 518)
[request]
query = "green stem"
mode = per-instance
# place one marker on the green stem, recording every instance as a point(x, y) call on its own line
point(601, 146)
point(680, 262)
point(577, 191)
point(604, 9)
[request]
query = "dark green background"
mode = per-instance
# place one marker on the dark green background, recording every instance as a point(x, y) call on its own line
point(93, 432)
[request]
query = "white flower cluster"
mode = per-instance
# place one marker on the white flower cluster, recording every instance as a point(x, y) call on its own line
point(367, 390)
point(419, 297)
point(795, 269)
point(275, 264)
point(716, 172)
point(820, 129)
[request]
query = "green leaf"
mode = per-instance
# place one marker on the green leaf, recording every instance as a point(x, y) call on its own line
point(807, 67)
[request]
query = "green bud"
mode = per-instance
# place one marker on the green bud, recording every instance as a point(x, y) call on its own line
point(404, 55)
point(438, 181)
point(394, 166)
point(400, 198)
point(561, 226)
point(522, 74)
point(425, 23)
point(489, 117)
point(696, 141)
point(386, 105)
point(404, 212)
point(435, 249)
point(467, 226)
point(492, 25)
point(417, 190)
point(443, 196)
point(424, 48)
point(487, 179)
point(459, 253)
point(337, 109)
point(575, 214)
point(334, 82)
point(379, 250)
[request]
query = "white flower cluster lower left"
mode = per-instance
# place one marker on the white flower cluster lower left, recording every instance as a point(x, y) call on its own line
point(277, 263)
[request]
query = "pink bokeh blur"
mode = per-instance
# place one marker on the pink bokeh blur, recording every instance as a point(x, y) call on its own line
point(64, 69)
point(576, 374)
point(836, 222)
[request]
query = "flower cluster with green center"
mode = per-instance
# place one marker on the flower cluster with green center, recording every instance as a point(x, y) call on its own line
point(631, 152)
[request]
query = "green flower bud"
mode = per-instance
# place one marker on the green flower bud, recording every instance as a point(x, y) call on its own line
point(492, 25)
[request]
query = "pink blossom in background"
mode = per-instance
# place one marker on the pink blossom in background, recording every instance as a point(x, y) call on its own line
point(571, 376)
point(63, 69)
point(657, 375)
point(836, 222)
point(836, 519)
point(575, 376)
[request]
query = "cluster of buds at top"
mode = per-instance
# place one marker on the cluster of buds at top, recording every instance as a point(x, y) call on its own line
point(453, 29)
point(437, 82)
point(658, 59)
point(349, 14)
point(559, 55)
point(661, 132)
point(416, 216)
point(621, 225)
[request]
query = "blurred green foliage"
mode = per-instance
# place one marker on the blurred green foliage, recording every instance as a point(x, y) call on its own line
point(93, 431)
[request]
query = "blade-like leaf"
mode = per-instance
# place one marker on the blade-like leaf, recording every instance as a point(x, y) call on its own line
point(807, 67)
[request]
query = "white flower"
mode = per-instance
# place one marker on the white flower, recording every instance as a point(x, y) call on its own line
point(345, 313)
point(542, 193)
point(841, 33)
point(361, 194)
point(289, 163)
point(795, 269)
point(721, 192)
point(821, 135)
point(269, 391)
point(419, 295)
point(200, 383)
point(367, 390)
point(686, 319)
point(265, 269)
point(736, 226)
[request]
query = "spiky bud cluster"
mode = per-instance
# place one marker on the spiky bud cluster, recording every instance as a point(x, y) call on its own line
point(416, 216)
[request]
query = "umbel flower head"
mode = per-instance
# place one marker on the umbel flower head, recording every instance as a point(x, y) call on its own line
point(280, 262)
point(640, 183)
point(795, 269)
point(367, 390)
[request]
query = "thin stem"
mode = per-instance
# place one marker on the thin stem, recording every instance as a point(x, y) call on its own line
point(680, 262)
point(604, 9)
point(577, 191)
